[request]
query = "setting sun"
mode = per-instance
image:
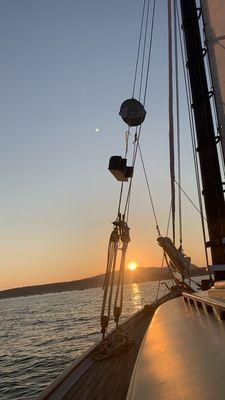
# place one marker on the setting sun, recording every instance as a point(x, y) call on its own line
point(132, 266)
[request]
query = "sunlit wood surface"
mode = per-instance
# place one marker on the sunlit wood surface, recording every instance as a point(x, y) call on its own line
point(101, 380)
point(182, 356)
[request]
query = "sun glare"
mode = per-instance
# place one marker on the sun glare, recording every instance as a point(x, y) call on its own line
point(132, 266)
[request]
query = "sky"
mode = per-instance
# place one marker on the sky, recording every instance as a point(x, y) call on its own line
point(66, 67)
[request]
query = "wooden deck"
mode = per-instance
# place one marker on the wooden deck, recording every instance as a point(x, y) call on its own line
point(101, 380)
point(109, 379)
point(183, 353)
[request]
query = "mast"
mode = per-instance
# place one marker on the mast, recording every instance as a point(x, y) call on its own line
point(207, 148)
point(213, 13)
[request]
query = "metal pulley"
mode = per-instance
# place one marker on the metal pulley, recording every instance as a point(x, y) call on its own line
point(132, 112)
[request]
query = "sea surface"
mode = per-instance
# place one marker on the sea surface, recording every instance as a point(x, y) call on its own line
point(41, 335)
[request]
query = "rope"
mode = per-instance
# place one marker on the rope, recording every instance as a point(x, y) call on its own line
point(150, 51)
point(125, 238)
point(120, 199)
point(120, 234)
point(127, 134)
point(199, 211)
point(149, 191)
point(113, 345)
point(171, 127)
point(139, 46)
point(138, 132)
point(163, 257)
point(144, 18)
point(109, 278)
point(144, 49)
point(178, 126)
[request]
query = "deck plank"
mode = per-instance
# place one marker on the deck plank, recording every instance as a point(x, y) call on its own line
point(89, 379)
point(109, 379)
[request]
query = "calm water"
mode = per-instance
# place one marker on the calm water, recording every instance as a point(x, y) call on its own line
point(41, 335)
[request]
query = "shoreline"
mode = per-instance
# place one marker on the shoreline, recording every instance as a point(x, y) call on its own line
point(148, 274)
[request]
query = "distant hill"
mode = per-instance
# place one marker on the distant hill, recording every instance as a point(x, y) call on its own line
point(139, 275)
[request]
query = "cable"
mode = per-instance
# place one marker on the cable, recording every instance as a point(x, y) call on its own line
point(139, 46)
point(163, 257)
point(149, 191)
point(144, 48)
point(138, 131)
point(171, 125)
point(127, 134)
point(189, 199)
point(120, 225)
point(150, 51)
point(178, 124)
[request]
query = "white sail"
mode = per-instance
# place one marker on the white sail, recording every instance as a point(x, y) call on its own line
point(213, 15)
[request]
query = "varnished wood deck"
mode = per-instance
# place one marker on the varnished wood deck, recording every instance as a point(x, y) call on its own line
point(96, 384)
point(107, 379)
point(89, 379)
point(182, 356)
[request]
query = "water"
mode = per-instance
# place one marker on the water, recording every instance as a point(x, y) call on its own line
point(41, 335)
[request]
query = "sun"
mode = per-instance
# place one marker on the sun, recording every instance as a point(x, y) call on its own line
point(132, 266)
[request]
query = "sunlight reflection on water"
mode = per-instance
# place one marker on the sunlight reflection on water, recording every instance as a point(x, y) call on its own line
point(42, 334)
point(136, 295)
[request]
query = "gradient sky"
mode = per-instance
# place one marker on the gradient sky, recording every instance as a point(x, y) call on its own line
point(66, 66)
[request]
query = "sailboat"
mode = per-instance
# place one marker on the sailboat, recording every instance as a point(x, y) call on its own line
point(176, 346)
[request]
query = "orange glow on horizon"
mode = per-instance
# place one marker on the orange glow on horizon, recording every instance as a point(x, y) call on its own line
point(132, 266)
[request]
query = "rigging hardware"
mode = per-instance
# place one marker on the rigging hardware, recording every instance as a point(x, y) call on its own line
point(132, 112)
point(179, 262)
point(119, 240)
point(118, 167)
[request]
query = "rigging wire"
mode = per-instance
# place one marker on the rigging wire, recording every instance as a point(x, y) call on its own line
point(149, 191)
point(120, 234)
point(144, 49)
point(188, 197)
point(127, 134)
point(178, 125)
point(164, 255)
point(139, 47)
point(150, 51)
point(138, 131)
point(120, 198)
point(171, 124)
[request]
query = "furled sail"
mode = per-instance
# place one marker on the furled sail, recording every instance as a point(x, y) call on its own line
point(213, 15)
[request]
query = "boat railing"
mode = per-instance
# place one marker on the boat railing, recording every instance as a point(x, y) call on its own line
point(215, 305)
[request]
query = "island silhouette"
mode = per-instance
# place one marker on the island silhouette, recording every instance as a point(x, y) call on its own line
point(141, 274)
